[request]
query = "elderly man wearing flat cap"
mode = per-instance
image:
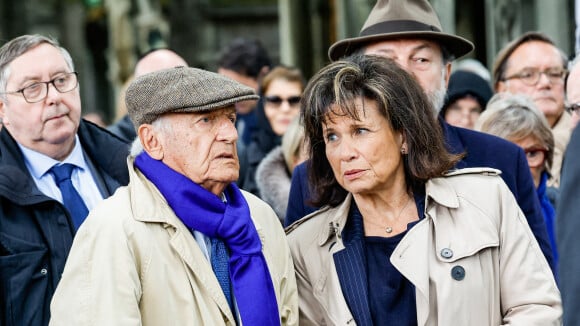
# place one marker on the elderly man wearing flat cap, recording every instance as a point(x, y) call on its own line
point(181, 244)
point(409, 32)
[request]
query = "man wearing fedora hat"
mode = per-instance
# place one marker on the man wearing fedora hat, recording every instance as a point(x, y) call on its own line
point(409, 32)
point(181, 244)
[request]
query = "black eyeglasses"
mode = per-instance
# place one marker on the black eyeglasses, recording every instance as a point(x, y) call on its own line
point(531, 77)
point(277, 100)
point(574, 107)
point(36, 92)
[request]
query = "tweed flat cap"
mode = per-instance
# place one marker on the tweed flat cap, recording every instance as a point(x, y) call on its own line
point(181, 89)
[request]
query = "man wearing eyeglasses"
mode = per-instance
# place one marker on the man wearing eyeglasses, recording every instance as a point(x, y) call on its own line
point(573, 91)
point(532, 65)
point(54, 168)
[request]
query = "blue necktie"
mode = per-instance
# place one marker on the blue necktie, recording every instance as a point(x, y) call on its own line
point(220, 265)
point(70, 197)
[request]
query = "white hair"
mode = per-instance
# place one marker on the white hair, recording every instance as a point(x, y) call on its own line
point(437, 97)
point(160, 124)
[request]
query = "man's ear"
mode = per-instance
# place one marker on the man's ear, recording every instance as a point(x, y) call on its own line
point(151, 141)
point(3, 112)
point(501, 86)
point(447, 74)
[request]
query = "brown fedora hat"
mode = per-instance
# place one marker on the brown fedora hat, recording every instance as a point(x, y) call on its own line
point(395, 19)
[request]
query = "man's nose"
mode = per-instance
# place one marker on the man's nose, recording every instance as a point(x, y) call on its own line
point(227, 131)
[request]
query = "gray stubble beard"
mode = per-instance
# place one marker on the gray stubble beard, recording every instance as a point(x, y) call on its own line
point(437, 98)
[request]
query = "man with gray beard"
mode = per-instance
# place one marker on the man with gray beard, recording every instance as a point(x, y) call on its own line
point(409, 33)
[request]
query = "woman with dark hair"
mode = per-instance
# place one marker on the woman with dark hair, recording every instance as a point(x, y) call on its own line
point(401, 240)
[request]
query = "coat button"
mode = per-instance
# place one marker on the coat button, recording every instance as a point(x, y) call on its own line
point(458, 273)
point(43, 271)
point(62, 221)
point(446, 253)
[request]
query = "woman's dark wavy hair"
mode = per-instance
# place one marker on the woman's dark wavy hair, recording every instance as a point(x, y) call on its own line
point(399, 99)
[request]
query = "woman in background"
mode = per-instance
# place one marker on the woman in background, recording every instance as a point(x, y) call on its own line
point(274, 173)
point(517, 119)
point(281, 91)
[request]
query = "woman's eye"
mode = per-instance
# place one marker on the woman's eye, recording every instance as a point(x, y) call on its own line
point(331, 137)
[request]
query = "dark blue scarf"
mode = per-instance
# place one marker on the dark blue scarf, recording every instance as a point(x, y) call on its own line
point(203, 211)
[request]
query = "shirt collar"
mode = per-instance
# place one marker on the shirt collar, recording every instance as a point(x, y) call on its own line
point(38, 164)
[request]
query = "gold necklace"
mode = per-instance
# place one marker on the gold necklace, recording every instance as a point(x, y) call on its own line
point(389, 229)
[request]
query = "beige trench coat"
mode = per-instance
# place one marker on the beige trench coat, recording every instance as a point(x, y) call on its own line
point(133, 262)
point(471, 220)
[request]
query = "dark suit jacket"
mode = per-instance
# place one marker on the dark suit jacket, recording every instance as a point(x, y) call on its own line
point(567, 230)
point(482, 150)
point(36, 231)
point(124, 129)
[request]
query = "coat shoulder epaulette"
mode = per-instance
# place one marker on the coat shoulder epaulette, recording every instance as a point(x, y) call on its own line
point(306, 218)
point(482, 171)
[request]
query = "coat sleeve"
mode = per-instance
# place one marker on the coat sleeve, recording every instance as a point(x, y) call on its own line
point(100, 284)
point(567, 226)
point(289, 294)
point(288, 290)
point(308, 305)
point(310, 310)
point(529, 294)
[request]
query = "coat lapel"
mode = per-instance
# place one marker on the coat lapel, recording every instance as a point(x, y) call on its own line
point(201, 273)
point(411, 259)
point(351, 270)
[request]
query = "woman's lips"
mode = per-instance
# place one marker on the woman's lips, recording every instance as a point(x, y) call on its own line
point(353, 174)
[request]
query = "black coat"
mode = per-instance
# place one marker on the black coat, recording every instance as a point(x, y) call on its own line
point(124, 129)
point(567, 226)
point(36, 231)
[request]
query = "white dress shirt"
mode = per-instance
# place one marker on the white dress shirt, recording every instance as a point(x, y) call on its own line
point(39, 166)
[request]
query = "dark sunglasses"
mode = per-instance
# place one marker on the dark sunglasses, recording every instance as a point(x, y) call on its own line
point(277, 100)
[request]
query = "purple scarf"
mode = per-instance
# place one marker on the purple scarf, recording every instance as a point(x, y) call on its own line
point(203, 211)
